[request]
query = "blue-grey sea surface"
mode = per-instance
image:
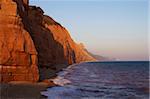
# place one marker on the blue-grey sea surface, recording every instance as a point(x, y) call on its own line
point(102, 80)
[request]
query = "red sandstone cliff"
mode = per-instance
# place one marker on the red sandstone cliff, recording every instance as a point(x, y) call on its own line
point(31, 43)
point(18, 56)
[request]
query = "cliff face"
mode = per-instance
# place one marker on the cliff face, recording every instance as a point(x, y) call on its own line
point(18, 56)
point(31, 43)
point(73, 52)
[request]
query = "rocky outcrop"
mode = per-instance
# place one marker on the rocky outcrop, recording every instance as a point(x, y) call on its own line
point(53, 42)
point(73, 52)
point(102, 58)
point(32, 43)
point(18, 56)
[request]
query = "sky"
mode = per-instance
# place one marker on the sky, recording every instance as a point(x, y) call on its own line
point(111, 28)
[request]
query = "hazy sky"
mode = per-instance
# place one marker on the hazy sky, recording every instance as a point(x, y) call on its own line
point(113, 28)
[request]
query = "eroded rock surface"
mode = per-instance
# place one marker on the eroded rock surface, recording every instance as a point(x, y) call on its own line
point(32, 43)
point(18, 56)
point(53, 42)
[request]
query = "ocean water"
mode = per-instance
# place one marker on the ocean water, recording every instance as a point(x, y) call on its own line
point(102, 80)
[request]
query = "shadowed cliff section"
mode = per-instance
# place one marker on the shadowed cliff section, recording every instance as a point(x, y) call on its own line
point(50, 52)
point(40, 43)
point(55, 47)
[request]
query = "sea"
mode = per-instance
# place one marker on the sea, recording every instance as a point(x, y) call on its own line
point(102, 80)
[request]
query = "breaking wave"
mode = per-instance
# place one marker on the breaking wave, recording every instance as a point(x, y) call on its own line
point(102, 80)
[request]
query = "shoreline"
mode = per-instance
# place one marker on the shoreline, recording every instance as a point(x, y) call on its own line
point(24, 90)
point(29, 90)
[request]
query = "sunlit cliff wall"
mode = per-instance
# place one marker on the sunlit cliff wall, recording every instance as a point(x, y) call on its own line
point(31, 43)
point(18, 56)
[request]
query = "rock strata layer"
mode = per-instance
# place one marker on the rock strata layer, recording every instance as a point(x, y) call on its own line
point(31, 43)
point(18, 55)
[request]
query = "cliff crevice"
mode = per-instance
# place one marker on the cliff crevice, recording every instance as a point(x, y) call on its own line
point(32, 44)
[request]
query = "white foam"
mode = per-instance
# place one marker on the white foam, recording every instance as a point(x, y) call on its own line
point(61, 92)
point(60, 80)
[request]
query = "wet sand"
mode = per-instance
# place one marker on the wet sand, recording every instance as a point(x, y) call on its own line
point(23, 90)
